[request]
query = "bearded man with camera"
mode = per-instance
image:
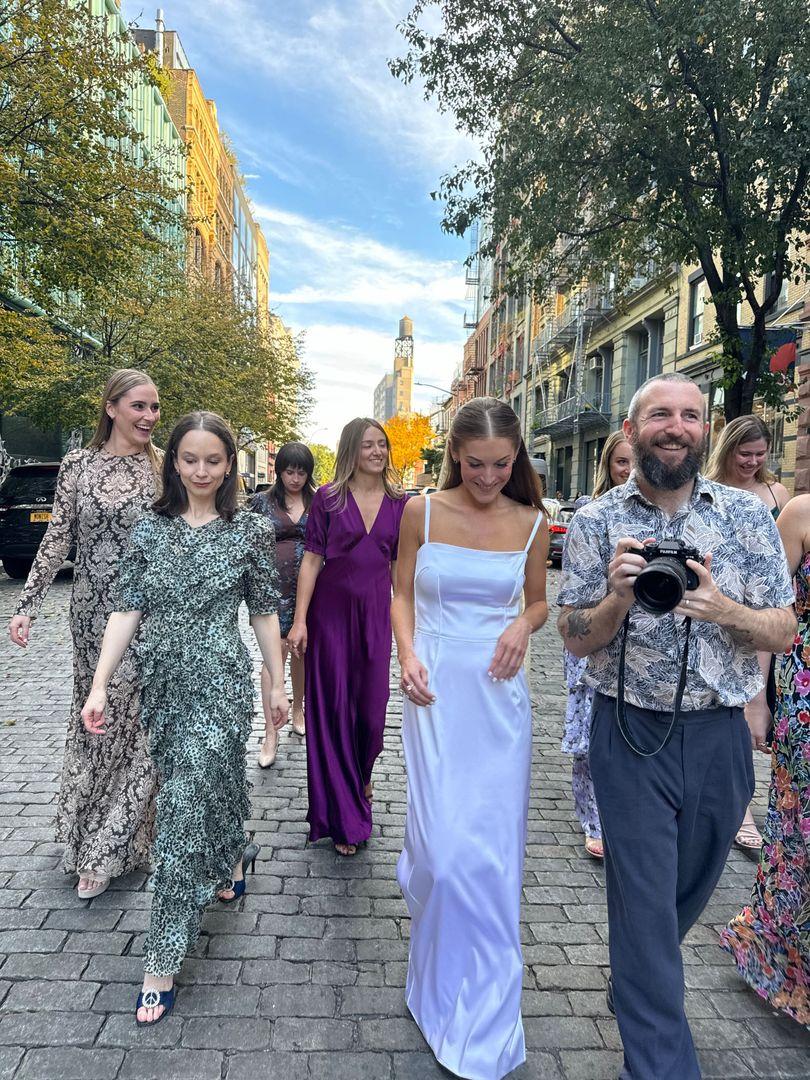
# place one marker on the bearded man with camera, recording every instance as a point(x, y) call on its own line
point(671, 583)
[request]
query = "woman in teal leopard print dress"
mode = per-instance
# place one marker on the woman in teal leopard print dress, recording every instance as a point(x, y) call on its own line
point(189, 565)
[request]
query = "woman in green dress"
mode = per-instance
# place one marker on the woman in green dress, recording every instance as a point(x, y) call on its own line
point(189, 565)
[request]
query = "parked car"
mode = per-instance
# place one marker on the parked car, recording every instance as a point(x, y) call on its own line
point(26, 504)
point(557, 531)
point(421, 490)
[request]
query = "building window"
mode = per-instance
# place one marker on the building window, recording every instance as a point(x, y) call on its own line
point(782, 300)
point(697, 303)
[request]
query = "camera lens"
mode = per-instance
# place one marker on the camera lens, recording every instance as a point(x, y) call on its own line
point(660, 586)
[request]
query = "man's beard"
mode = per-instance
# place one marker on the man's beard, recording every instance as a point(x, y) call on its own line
point(666, 477)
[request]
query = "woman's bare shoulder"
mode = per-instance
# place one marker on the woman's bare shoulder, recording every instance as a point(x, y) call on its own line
point(414, 509)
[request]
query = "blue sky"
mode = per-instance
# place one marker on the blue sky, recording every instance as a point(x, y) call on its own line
point(340, 159)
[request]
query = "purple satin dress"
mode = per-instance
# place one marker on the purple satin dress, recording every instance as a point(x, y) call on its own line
point(347, 662)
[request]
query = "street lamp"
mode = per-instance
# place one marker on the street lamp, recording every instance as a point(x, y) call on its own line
point(433, 386)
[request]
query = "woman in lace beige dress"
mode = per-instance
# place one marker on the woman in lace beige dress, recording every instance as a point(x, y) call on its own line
point(105, 816)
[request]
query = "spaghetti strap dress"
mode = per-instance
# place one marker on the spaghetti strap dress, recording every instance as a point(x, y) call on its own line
point(468, 759)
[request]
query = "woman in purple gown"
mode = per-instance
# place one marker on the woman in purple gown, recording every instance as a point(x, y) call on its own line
point(343, 623)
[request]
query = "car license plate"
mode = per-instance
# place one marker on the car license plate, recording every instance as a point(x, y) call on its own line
point(40, 515)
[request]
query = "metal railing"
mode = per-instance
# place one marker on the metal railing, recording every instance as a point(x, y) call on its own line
point(569, 408)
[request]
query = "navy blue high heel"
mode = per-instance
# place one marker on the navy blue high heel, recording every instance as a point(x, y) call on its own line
point(153, 999)
point(248, 863)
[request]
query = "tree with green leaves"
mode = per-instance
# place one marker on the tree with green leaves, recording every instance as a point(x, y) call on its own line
point(79, 197)
point(433, 456)
point(613, 134)
point(324, 462)
point(202, 349)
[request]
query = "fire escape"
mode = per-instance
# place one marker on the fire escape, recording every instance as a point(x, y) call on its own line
point(581, 403)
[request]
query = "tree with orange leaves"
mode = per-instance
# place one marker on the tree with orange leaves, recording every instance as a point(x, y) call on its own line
point(409, 434)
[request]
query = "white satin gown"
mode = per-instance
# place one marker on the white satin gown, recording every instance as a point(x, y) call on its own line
point(468, 762)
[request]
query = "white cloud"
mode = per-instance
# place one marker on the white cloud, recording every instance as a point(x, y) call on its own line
point(333, 263)
point(347, 277)
point(335, 52)
point(349, 361)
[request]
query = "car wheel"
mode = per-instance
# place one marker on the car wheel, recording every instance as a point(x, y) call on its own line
point(17, 568)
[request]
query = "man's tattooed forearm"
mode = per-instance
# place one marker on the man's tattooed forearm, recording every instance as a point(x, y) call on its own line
point(578, 624)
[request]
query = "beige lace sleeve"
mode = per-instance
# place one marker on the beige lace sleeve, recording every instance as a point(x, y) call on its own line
point(58, 539)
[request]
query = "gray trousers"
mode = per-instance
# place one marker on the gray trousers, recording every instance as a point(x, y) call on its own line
point(668, 823)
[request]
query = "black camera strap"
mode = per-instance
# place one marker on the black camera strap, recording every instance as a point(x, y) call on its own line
point(621, 711)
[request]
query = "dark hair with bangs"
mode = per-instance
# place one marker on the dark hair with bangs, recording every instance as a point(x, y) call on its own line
point(297, 456)
point(174, 500)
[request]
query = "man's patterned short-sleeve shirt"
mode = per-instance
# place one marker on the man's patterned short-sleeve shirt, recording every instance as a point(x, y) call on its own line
point(748, 565)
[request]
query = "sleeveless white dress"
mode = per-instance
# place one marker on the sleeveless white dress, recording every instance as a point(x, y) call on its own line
point(468, 762)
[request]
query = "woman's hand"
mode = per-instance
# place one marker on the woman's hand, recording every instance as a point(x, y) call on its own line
point(279, 708)
point(297, 639)
point(19, 629)
point(414, 681)
point(510, 650)
point(759, 719)
point(93, 716)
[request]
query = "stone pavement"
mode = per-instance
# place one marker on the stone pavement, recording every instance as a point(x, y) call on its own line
point(304, 978)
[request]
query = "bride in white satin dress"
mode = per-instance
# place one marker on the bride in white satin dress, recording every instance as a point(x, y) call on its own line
point(466, 554)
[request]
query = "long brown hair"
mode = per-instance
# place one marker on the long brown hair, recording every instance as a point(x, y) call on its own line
point(604, 481)
point(119, 383)
point(743, 429)
point(488, 418)
point(173, 500)
point(348, 452)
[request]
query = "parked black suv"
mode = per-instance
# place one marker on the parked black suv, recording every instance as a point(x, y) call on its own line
point(26, 502)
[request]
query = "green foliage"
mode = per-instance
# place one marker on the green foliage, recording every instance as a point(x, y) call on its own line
point(433, 456)
point(158, 76)
point(616, 133)
point(78, 198)
point(93, 232)
point(202, 350)
point(324, 462)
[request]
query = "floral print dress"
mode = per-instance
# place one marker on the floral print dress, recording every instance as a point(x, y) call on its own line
point(576, 741)
point(770, 938)
point(106, 810)
point(197, 704)
point(289, 553)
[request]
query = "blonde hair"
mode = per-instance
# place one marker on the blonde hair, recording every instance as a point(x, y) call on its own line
point(119, 383)
point(604, 481)
point(346, 462)
point(743, 429)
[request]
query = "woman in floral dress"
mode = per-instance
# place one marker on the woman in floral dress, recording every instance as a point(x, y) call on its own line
point(105, 816)
point(286, 505)
point(189, 566)
point(770, 938)
point(614, 468)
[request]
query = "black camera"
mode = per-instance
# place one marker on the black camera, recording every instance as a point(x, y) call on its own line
point(660, 586)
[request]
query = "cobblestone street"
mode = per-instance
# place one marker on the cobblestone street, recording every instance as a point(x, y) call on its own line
point(304, 978)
